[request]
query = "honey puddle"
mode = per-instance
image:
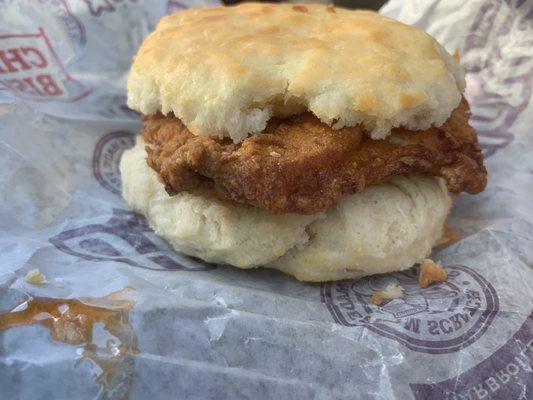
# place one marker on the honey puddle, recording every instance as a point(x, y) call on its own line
point(100, 327)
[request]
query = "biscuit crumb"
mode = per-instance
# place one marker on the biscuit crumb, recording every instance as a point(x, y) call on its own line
point(431, 272)
point(330, 8)
point(391, 292)
point(275, 154)
point(300, 8)
point(35, 277)
point(448, 236)
point(457, 55)
point(71, 328)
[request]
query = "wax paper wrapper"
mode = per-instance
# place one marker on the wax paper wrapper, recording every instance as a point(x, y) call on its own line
point(120, 315)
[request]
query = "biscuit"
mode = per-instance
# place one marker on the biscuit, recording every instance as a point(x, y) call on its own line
point(226, 71)
point(213, 230)
point(385, 228)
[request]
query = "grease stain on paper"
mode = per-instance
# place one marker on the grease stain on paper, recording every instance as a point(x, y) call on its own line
point(99, 326)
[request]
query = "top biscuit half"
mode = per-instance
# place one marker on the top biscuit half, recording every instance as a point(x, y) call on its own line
point(225, 71)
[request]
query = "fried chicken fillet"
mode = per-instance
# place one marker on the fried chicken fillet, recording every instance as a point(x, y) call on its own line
point(300, 165)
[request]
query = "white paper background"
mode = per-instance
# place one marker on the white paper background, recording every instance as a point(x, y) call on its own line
point(227, 333)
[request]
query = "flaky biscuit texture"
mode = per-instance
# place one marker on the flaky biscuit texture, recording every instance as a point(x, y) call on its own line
point(226, 71)
point(385, 228)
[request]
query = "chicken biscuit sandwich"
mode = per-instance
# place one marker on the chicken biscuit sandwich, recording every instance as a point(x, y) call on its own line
point(315, 140)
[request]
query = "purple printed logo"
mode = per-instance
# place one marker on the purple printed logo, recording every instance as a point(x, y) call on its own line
point(106, 158)
point(97, 7)
point(125, 238)
point(500, 79)
point(73, 26)
point(442, 318)
point(506, 374)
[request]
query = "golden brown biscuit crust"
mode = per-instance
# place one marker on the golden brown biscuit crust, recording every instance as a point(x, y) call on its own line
point(226, 71)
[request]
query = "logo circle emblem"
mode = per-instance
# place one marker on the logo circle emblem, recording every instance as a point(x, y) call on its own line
point(106, 159)
point(442, 318)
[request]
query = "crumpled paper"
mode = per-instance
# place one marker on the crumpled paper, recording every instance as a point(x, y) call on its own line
point(123, 316)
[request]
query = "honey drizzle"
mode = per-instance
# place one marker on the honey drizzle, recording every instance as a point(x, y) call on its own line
point(72, 322)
